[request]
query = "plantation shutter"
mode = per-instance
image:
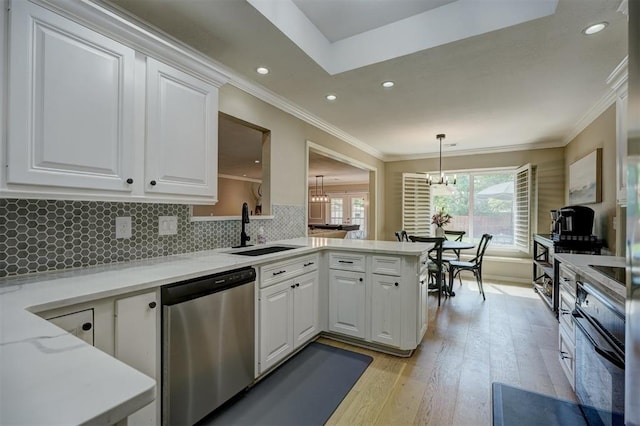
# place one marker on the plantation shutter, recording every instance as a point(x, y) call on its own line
point(416, 204)
point(523, 207)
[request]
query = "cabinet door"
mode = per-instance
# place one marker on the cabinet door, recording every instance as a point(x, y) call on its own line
point(136, 343)
point(276, 324)
point(423, 314)
point(566, 354)
point(182, 133)
point(385, 312)
point(80, 324)
point(305, 308)
point(70, 104)
point(347, 303)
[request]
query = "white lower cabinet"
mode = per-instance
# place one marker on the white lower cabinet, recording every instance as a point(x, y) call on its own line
point(136, 344)
point(288, 317)
point(566, 354)
point(347, 303)
point(423, 313)
point(385, 310)
point(80, 324)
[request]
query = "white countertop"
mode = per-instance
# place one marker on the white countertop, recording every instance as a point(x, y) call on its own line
point(579, 263)
point(48, 376)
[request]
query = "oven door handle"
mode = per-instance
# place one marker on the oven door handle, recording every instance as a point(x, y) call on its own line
point(608, 355)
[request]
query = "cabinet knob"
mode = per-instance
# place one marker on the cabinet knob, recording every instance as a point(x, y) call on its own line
point(152, 183)
point(396, 284)
point(152, 305)
point(297, 284)
point(293, 286)
point(129, 181)
point(86, 326)
point(360, 280)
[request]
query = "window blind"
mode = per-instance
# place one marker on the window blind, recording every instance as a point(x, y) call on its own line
point(523, 207)
point(416, 204)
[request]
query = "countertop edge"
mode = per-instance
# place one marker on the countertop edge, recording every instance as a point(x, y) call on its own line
point(21, 297)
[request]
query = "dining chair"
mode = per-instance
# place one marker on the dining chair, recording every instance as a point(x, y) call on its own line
point(435, 265)
point(402, 235)
point(474, 265)
point(454, 236)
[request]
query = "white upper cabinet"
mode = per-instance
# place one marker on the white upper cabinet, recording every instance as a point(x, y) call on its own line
point(70, 104)
point(102, 108)
point(182, 132)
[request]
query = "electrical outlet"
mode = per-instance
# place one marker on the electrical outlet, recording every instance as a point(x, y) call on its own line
point(123, 227)
point(167, 225)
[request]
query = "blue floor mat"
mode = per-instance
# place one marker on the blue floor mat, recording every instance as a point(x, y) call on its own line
point(305, 390)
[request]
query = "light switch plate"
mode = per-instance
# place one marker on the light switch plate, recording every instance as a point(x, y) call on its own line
point(123, 227)
point(167, 225)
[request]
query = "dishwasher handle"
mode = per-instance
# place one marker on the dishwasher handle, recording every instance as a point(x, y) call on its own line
point(202, 286)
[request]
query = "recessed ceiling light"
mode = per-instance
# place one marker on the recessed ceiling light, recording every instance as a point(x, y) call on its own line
point(262, 70)
point(388, 84)
point(331, 97)
point(595, 28)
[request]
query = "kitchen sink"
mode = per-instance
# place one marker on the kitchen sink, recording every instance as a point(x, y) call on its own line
point(264, 250)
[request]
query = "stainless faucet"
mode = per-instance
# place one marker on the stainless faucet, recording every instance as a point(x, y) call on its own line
point(245, 219)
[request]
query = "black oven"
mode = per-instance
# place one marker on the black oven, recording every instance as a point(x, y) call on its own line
point(599, 357)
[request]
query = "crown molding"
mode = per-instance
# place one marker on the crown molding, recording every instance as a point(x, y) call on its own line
point(141, 30)
point(479, 151)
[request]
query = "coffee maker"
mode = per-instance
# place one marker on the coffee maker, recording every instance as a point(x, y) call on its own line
point(572, 222)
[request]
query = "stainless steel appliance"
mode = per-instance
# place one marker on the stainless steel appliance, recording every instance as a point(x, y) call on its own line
point(207, 343)
point(632, 371)
point(599, 355)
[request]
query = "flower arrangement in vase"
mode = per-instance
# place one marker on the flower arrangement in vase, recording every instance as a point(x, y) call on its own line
point(440, 219)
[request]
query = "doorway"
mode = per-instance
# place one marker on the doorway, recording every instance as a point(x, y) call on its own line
point(341, 191)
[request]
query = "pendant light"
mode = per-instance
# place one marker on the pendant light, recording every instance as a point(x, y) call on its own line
point(319, 197)
point(442, 179)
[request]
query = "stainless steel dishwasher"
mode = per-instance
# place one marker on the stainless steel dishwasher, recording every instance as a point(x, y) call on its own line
point(207, 343)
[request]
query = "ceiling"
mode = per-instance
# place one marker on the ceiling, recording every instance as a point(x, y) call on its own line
point(519, 77)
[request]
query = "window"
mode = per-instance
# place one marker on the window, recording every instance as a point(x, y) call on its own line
point(496, 202)
point(350, 209)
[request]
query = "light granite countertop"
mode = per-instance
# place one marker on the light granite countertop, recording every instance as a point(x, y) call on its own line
point(579, 263)
point(48, 376)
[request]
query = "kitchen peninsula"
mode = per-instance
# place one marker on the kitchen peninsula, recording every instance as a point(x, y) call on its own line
point(50, 376)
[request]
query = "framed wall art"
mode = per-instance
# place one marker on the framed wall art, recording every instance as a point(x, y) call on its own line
point(585, 179)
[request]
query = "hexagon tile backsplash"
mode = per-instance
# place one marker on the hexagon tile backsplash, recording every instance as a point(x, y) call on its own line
point(46, 235)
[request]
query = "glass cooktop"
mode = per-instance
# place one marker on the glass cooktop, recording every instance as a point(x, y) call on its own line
point(616, 273)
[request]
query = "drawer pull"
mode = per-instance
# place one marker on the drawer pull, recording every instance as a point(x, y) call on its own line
point(345, 261)
point(360, 280)
point(308, 264)
point(278, 273)
point(396, 284)
point(86, 326)
point(564, 355)
point(565, 312)
point(152, 305)
point(293, 286)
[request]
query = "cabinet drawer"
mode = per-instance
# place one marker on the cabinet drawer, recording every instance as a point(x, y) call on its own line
point(347, 261)
point(566, 305)
point(386, 265)
point(424, 260)
point(276, 272)
point(567, 279)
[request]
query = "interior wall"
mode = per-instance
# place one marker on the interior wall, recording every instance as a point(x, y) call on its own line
point(288, 149)
point(550, 177)
point(601, 133)
point(231, 194)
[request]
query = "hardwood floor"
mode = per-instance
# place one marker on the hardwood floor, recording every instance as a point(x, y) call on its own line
point(511, 337)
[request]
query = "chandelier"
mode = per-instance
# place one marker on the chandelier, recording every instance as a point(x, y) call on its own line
point(319, 197)
point(442, 179)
